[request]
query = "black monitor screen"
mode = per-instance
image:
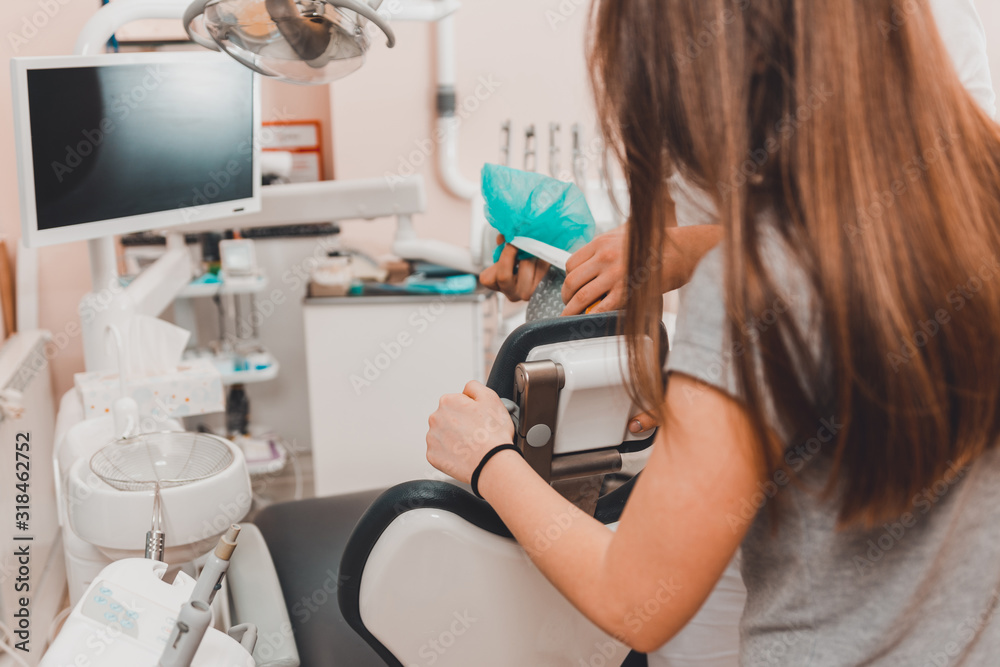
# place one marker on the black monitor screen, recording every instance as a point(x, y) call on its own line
point(124, 140)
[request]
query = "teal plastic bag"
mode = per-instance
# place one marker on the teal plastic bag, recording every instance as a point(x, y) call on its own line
point(521, 203)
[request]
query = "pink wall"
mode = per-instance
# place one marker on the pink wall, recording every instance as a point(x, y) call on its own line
point(529, 51)
point(64, 273)
point(26, 30)
point(990, 11)
point(533, 49)
point(524, 68)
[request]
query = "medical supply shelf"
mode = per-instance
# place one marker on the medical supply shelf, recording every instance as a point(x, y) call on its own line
point(230, 376)
point(234, 287)
point(226, 361)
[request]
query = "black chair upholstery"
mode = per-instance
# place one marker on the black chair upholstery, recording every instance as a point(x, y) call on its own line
point(317, 557)
point(306, 540)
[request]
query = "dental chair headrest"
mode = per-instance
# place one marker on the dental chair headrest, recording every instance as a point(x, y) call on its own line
point(528, 336)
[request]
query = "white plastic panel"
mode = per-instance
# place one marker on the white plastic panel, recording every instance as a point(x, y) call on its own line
point(438, 590)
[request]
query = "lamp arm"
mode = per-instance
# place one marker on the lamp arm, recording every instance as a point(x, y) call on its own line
point(363, 9)
point(194, 10)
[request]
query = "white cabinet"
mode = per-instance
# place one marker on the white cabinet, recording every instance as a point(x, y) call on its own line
point(377, 367)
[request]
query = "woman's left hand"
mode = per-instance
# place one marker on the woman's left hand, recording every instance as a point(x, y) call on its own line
point(465, 427)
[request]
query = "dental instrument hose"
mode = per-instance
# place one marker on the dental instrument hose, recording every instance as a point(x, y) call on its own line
point(192, 623)
point(216, 567)
point(196, 614)
point(155, 537)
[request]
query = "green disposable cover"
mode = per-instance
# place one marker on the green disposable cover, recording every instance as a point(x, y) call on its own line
point(521, 203)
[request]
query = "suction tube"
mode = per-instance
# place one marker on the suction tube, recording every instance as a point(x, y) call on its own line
point(192, 623)
point(215, 569)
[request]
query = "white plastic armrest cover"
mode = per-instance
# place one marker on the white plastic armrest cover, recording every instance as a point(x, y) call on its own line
point(257, 598)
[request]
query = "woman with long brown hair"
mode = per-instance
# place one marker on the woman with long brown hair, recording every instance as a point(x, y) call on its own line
point(831, 396)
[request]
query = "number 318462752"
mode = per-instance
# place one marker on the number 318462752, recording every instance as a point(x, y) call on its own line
point(22, 474)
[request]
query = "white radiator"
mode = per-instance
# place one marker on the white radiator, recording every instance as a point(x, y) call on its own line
point(25, 368)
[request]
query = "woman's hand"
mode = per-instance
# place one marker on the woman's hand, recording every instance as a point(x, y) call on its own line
point(515, 286)
point(465, 427)
point(642, 423)
point(596, 272)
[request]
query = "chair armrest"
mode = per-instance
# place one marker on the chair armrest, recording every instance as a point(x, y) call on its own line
point(256, 597)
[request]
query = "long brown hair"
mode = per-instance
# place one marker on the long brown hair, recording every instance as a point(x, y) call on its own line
point(847, 119)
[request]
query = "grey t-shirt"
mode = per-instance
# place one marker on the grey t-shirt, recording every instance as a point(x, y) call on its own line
point(921, 591)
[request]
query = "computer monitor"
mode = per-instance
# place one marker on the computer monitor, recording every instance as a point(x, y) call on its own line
point(121, 143)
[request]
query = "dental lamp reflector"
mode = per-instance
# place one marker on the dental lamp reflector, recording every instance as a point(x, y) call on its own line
point(304, 42)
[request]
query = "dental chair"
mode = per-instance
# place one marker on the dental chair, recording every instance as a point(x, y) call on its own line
point(425, 573)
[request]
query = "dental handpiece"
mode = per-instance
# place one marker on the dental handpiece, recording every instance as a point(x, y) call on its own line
point(192, 623)
point(216, 567)
point(554, 150)
point(530, 152)
point(505, 144)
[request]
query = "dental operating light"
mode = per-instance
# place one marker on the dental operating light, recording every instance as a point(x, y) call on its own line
point(304, 42)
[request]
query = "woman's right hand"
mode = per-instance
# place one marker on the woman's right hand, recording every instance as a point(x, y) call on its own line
point(642, 423)
point(595, 275)
point(596, 278)
point(515, 286)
